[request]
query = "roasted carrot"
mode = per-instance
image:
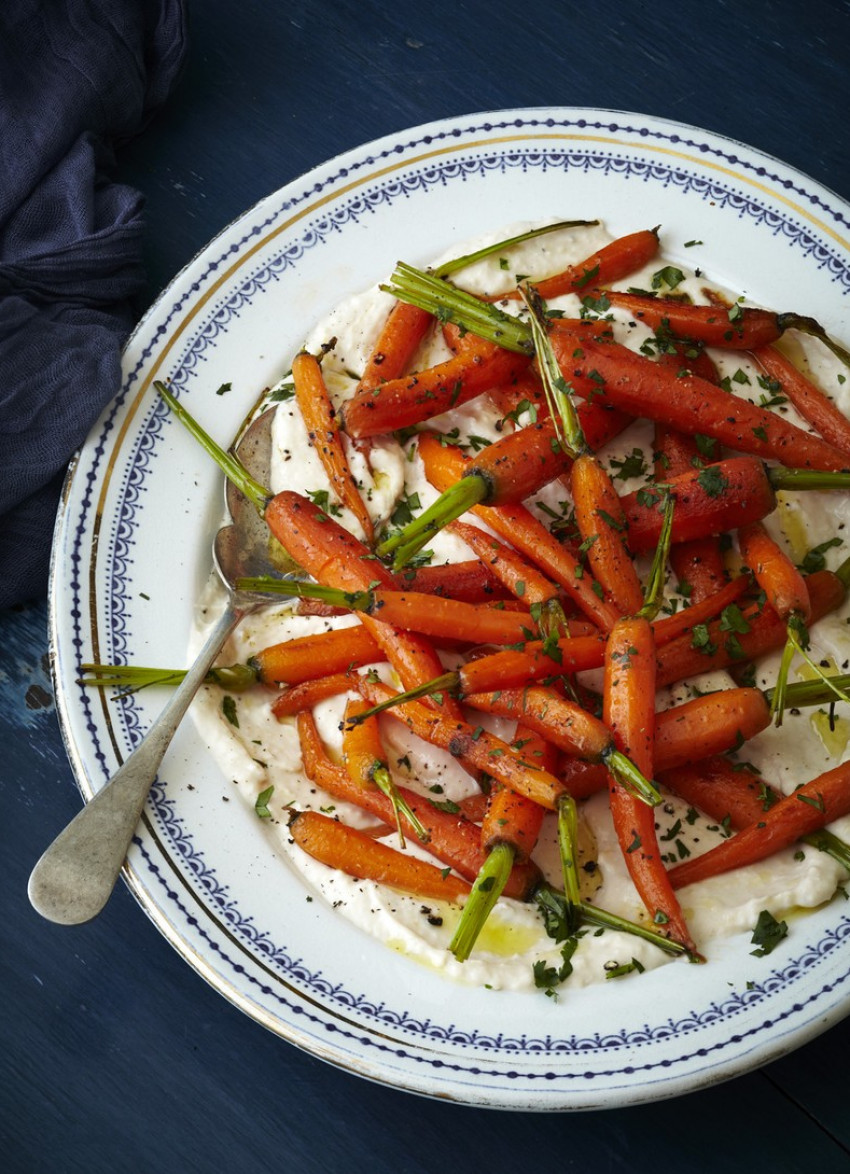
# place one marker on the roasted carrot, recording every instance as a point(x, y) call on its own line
point(511, 818)
point(308, 694)
point(402, 402)
point(735, 796)
point(811, 401)
point(699, 564)
point(431, 615)
point(364, 759)
point(361, 856)
point(736, 328)
point(710, 500)
point(519, 577)
point(604, 529)
point(400, 336)
point(786, 592)
point(709, 724)
point(706, 725)
point(444, 463)
point(809, 808)
point(304, 658)
point(472, 745)
point(468, 580)
point(777, 576)
point(321, 422)
point(613, 262)
point(509, 833)
point(453, 838)
point(762, 631)
point(638, 385)
point(629, 712)
point(334, 556)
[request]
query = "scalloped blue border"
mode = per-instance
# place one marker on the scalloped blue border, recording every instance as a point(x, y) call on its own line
point(218, 320)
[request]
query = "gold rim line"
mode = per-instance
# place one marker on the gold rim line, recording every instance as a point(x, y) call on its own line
point(198, 305)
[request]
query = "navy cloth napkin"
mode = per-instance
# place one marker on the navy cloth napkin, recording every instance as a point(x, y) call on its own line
point(77, 78)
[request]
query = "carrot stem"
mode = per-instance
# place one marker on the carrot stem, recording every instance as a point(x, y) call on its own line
point(568, 850)
point(381, 779)
point(232, 468)
point(457, 499)
point(784, 478)
point(458, 263)
point(558, 391)
point(551, 903)
point(130, 678)
point(630, 777)
point(486, 891)
point(430, 293)
point(654, 590)
point(810, 326)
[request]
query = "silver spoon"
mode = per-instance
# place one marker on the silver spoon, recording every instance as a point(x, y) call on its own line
point(74, 878)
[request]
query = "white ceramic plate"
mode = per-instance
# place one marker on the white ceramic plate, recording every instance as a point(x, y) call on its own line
point(132, 554)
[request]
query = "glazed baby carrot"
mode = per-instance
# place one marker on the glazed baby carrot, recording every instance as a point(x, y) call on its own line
point(777, 576)
point(629, 712)
point(508, 833)
point(759, 630)
point(612, 262)
point(732, 328)
point(634, 383)
point(308, 694)
point(709, 724)
point(304, 658)
point(516, 524)
point(471, 745)
point(364, 759)
point(604, 529)
point(709, 500)
point(468, 580)
point(408, 400)
point(638, 385)
point(321, 422)
point(734, 796)
point(361, 856)
point(400, 336)
point(453, 838)
point(811, 401)
point(706, 725)
point(431, 615)
point(334, 557)
point(788, 595)
point(806, 810)
point(518, 575)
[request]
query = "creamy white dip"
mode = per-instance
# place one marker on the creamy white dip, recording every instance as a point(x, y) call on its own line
point(263, 752)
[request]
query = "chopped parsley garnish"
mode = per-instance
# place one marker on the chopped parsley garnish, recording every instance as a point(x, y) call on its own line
point(261, 806)
point(768, 934)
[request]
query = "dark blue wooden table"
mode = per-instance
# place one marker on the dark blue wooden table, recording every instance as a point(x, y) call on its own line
point(114, 1055)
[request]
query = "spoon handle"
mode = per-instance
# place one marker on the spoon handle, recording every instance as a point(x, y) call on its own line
point(72, 881)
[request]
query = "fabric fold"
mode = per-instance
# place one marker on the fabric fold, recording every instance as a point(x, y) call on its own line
point(76, 79)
